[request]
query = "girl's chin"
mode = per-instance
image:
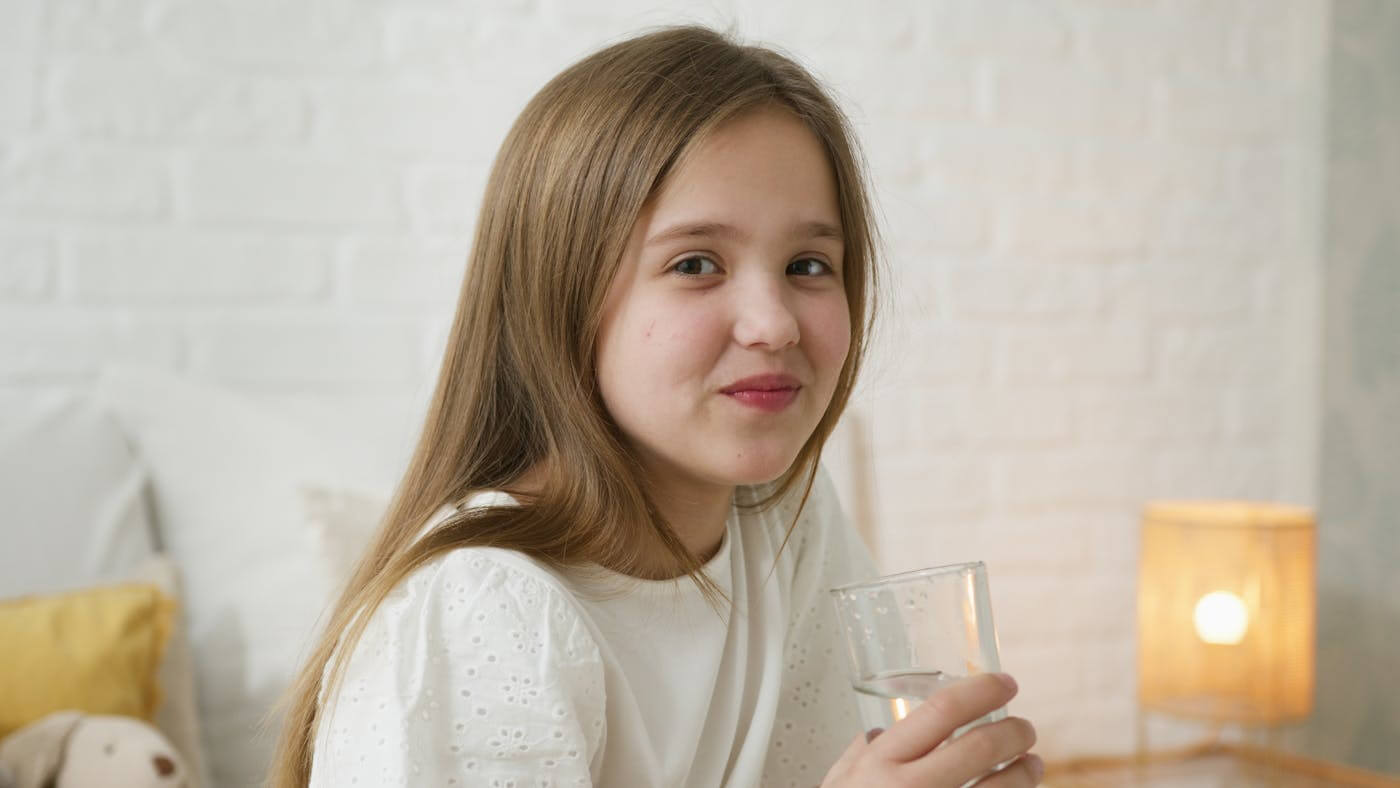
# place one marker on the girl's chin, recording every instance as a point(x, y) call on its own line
point(738, 463)
point(759, 470)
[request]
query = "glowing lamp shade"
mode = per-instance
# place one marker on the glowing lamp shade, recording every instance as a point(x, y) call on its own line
point(1227, 611)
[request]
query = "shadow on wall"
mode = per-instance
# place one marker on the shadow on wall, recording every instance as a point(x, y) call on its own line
point(1355, 720)
point(1357, 715)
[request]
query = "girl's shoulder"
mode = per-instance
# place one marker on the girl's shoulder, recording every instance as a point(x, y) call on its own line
point(475, 559)
point(476, 571)
point(472, 634)
point(481, 603)
point(484, 610)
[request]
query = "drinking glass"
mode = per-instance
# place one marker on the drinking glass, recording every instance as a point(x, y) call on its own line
point(909, 634)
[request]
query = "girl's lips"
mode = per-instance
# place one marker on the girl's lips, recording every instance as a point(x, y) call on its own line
point(768, 400)
point(770, 381)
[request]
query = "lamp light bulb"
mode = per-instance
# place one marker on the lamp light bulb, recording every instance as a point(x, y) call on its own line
point(1221, 618)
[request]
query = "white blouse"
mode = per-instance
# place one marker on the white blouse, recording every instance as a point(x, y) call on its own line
point(486, 667)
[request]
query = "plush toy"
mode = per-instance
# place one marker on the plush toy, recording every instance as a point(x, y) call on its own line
point(70, 749)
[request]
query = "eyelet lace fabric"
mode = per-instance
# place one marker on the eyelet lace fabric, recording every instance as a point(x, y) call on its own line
point(471, 672)
point(486, 668)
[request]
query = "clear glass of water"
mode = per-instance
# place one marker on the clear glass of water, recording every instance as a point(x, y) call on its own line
point(909, 634)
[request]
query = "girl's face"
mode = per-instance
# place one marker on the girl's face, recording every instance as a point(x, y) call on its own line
point(727, 325)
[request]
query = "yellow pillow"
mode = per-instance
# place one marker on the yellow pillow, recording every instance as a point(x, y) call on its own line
point(95, 650)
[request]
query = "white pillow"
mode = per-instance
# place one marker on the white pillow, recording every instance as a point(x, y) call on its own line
point(73, 493)
point(226, 473)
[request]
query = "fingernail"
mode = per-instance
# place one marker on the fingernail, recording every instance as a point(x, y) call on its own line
point(1007, 680)
point(1037, 767)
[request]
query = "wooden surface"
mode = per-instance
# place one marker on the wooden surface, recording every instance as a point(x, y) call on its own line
point(1211, 766)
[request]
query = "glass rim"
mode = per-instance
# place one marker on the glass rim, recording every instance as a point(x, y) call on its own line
point(913, 574)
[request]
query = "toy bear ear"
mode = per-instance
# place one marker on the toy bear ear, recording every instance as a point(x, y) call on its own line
point(34, 753)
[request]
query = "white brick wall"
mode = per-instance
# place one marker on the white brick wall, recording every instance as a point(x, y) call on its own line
point(1102, 218)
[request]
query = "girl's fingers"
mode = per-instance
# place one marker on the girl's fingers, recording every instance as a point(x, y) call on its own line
point(942, 713)
point(847, 760)
point(1024, 773)
point(976, 752)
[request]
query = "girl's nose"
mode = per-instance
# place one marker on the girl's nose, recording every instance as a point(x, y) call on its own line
point(764, 319)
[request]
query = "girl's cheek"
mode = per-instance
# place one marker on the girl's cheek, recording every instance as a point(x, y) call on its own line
point(827, 331)
point(690, 328)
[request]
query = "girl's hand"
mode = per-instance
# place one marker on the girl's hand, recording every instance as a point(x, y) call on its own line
point(905, 755)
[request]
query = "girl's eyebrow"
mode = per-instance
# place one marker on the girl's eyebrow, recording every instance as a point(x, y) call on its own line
point(799, 231)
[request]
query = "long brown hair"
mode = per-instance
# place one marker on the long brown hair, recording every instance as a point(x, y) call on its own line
point(517, 389)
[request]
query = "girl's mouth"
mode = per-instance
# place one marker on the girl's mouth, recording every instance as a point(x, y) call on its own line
point(771, 400)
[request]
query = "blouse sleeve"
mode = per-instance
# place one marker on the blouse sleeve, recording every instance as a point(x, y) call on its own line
point(472, 672)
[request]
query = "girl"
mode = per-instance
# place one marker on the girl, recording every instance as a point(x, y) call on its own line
point(607, 563)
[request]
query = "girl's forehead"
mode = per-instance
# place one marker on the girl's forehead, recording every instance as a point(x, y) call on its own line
point(764, 172)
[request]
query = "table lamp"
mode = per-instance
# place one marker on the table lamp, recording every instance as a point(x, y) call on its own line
point(1227, 611)
point(1227, 616)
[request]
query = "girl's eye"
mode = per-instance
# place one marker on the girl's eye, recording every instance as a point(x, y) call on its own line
point(809, 266)
point(696, 266)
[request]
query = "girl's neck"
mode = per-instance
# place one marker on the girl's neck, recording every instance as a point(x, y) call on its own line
point(697, 512)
